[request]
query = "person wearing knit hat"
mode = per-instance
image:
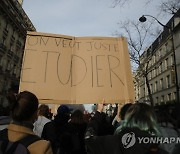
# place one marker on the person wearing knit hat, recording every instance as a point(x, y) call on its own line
point(63, 109)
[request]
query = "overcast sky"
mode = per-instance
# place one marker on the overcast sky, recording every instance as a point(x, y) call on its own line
point(84, 17)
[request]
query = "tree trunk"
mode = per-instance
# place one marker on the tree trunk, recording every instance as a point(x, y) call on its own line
point(149, 91)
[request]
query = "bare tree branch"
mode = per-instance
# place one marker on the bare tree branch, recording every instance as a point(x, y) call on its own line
point(120, 3)
point(141, 35)
point(171, 7)
point(139, 38)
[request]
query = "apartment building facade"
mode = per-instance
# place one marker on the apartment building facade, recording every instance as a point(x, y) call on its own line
point(14, 23)
point(160, 59)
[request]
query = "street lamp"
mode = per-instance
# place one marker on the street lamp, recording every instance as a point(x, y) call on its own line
point(143, 19)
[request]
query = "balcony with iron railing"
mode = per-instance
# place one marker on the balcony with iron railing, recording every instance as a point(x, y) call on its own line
point(5, 32)
point(16, 58)
point(2, 48)
point(10, 53)
point(12, 40)
point(19, 44)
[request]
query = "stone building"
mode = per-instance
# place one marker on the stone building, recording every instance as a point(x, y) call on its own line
point(163, 60)
point(14, 23)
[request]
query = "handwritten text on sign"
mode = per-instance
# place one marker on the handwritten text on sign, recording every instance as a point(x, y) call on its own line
point(65, 69)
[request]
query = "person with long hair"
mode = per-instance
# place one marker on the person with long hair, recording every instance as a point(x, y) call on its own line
point(139, 123)
point(140, 116)
point(76, 131)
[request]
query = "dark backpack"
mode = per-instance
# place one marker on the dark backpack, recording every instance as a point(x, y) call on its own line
point(69, 143)
point(76, 143)
point(18, 147)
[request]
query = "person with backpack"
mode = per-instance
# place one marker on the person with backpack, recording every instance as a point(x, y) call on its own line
point(19, 137)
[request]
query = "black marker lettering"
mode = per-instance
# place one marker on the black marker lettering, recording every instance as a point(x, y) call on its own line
point(90, 45)
point(58, 41)
point(104, 46)
point(25, 69)
point(72, 43)
point(97, 46)
point(97, 70)
point(92, 70)
point(116, 47)
point(83, 76)
point(43, 41)
point(32, 41)
point(78, 45)
point(47, 56)
point(64, 43)
point(111, 69)
point(58, 71)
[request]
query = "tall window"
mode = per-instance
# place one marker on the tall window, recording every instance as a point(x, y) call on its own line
point(151, 87)
point(156, 87)
point(172, 60)
point(166, 64)
point(160, 67)
point(154, 72)
point(173, 75)
point(169, 97)
point(168, 81)
point(154, 59)
point(149, 74)
point(166, 47)
point(162, 98)
point(161, 84)
point(150, 62)
point(157, 100)
point(157, 70)
point(160, 53)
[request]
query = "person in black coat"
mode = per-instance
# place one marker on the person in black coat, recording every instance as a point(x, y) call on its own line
point(176, 149)
point(54, 131)
point(139, 123)
point(76, 128)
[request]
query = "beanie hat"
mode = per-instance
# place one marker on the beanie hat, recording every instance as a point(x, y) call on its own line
point(63, 109)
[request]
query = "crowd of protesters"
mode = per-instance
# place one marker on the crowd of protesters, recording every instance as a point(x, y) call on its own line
point(74, 132)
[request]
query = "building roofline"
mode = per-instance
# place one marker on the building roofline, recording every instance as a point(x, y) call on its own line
point(163, 36)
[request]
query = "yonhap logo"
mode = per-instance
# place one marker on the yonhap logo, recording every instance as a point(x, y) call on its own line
point(128, 140)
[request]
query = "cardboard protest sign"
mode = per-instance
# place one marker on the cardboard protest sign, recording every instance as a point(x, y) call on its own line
point(77, 70)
